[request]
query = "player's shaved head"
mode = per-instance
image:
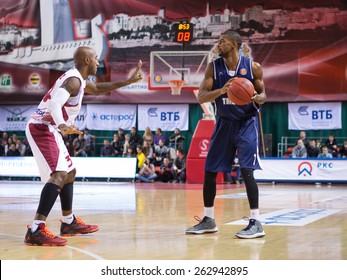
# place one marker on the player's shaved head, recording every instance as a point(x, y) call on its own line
point(233, 36)
point(81, 53)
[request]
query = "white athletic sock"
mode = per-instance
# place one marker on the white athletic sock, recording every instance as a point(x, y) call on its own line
point(68, 219)
point(209, 212)
point(255, 214)
point(35, 225)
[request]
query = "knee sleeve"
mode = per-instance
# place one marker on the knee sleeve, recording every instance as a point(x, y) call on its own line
point(209, 190)
point(251, 187)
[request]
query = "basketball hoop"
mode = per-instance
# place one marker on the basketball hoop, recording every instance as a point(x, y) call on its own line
point(176, 86)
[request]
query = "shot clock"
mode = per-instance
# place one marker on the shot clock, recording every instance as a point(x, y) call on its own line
point(183, 32)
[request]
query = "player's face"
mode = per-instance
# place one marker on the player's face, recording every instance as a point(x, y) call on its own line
point(225, 45)
point(94, 63)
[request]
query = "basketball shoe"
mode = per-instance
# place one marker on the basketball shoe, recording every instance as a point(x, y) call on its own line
point(253, 230)
point(206, 225)
point(43, 237)
point(77, 227)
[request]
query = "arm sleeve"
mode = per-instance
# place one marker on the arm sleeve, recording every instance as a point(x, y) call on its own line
point(58, 99)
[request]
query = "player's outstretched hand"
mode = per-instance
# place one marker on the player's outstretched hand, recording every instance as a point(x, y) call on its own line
point(65, 130)
point(137, 75)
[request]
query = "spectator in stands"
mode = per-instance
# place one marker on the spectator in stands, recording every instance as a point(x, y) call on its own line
point(312, 150)
point(319, 144)
point(146, 173)
point(159, 136)
point(2, 150)
point(8, 145)
point(148, 136)
point(343, 151)
point(90, 142)
point(325, 153)
point(4, 139)
point(179, 167)
point(121, 135)
point(234, 176)
point(176, 139)
point(164, 173)
point(160, 153)
point(126, 144)
point(299, 150)
point(304, 138)
point(14, 137)
point(117, 145)
point(135, 138)
point(130, 152)
point(148, 151)
point(107, 150)
point(70, 148)
point(331, 143)
point(13, 151)
point(140, 157)
point(28, 151)
point(79, 145)
point(21, 147)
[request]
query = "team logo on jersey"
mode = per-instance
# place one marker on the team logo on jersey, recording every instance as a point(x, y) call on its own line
point(243, 71)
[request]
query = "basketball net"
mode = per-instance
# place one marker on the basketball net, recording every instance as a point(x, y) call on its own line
point(176, 86)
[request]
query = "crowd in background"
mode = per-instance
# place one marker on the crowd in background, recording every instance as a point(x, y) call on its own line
point(312, 148)
point(159, 158)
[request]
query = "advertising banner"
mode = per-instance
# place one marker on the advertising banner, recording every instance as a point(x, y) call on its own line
point(15, 118)
point(296, 45)
point(302, 170)
point(167, 117)
point(111, 117)
point(314, 116)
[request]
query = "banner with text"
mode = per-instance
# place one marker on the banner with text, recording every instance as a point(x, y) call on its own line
point(111, 117)
point(15, 118)
point(314, 116)
point(302, 170)
point(166, 117)
point(81, 119)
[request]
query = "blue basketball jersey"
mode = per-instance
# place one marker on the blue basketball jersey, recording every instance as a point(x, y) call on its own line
point(225, 108)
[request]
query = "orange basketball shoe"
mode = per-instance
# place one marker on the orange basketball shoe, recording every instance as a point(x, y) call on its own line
point(77, 227)
point(43, 237)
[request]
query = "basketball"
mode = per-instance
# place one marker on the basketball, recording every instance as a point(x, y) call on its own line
point(240, 91)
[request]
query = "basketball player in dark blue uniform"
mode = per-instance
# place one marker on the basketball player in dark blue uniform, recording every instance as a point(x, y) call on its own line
point(236, 129)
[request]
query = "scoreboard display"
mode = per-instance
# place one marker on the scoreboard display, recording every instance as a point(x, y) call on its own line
point(183, 32)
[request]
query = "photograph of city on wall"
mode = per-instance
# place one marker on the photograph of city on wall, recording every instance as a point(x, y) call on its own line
point(296, 43)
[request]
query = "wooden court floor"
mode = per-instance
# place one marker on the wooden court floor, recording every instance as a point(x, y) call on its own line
point(141, 221)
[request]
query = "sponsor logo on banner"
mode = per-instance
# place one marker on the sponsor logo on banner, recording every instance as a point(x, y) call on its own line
point(304, 169)
point(15, 117)
point(167, 117)
point(291, 217)
point(204, 144)
point(34, 84)
point(111, 117)
point(6, 83)
point(314, 116)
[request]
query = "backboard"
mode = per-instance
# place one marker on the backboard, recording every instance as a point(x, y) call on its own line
point(189, 66)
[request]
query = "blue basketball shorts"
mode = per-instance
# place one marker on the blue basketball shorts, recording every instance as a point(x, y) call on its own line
point(229, 137)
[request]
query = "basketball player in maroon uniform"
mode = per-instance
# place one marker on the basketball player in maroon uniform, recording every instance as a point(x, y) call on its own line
point(53, 118)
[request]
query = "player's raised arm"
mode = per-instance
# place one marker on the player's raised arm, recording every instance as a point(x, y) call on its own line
point(105, 87)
